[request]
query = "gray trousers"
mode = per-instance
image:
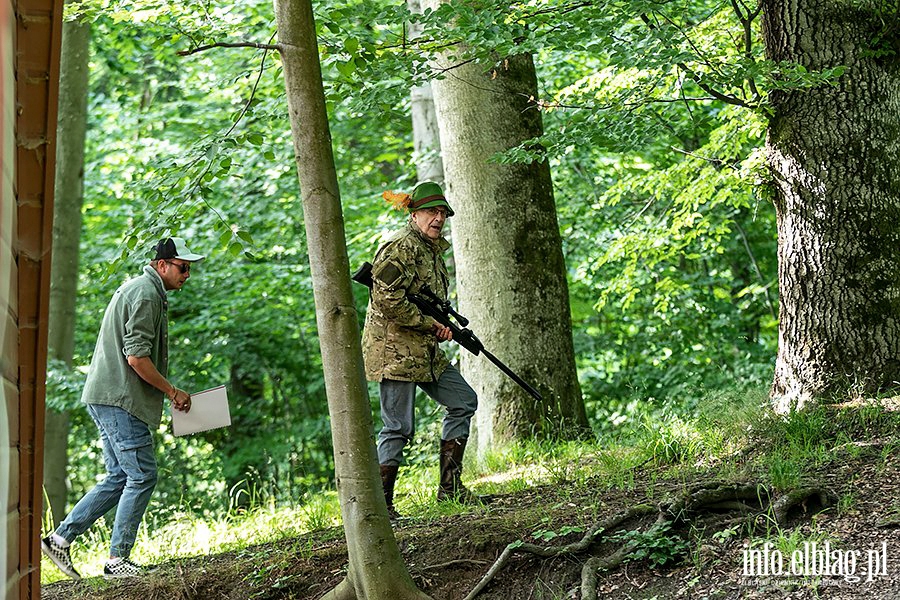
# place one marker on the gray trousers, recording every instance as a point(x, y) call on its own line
point(398, 411)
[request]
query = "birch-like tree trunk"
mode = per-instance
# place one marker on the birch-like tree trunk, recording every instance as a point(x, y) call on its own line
point(511, 275)
point(833, 151)
point(426, 136)
point(69, 194)
point(376, 570)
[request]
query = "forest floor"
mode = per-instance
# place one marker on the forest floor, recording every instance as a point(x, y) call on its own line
point(699, 552)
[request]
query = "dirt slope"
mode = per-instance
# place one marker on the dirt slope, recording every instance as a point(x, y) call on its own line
point(448, 557)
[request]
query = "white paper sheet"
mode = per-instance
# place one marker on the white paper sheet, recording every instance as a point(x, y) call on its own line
point(209, 410)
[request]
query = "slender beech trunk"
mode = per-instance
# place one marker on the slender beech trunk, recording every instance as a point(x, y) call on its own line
point(511, 275)
point(833, 153)
point(426, 136)
point(376, 570)
point(69, 194)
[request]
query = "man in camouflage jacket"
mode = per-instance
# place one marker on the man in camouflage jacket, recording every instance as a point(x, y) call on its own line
point(401, 345)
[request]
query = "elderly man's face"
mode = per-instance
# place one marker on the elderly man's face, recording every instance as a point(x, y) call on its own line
point(430, 221)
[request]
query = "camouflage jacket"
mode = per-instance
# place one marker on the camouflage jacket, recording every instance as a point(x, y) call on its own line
point(398, 340)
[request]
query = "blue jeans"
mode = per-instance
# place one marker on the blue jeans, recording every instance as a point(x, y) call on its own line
point(130, 479)
point(398, 411)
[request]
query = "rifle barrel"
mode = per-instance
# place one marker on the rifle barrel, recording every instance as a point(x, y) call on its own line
point(512, 375)
point(436, 308)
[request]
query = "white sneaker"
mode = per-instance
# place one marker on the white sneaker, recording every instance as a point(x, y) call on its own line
point(122, 568)
point(60, 557)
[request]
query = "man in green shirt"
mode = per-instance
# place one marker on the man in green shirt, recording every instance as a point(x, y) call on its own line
point(124, 393)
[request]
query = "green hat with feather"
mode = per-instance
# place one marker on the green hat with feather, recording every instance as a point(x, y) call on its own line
point(425, 195)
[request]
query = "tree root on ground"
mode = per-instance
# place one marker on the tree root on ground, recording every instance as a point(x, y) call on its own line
point(453, 563)
point(808, 499)
point(748, 500)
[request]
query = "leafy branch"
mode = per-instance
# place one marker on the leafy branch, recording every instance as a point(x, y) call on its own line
point(727, 98)
point(234, 237)
point(206, 47)
point(746, 18)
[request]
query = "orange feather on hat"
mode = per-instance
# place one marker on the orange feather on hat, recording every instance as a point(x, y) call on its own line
point(398, 200)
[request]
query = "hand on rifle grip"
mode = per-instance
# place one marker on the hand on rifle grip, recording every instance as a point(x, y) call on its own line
point(443, 333)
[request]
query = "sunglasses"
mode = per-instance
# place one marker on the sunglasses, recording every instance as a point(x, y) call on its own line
point(183, 267)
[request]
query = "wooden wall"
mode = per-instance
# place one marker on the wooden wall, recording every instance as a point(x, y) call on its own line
point(29, 109)
point(9, 357)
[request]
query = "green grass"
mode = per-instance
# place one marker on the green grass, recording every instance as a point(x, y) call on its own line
point(188, 535)
point(655, 441)
point(789, 541)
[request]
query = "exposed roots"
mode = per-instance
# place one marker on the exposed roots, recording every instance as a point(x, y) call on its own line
point(806, 499)
point(747, 500)
point(345, 591)
point(550, 551)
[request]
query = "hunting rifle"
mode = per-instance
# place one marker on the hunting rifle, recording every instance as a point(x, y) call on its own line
point(441, 311)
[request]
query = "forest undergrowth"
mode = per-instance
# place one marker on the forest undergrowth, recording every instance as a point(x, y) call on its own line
point(723, 500)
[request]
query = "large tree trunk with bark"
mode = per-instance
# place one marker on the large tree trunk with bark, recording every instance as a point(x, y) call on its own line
point(833, 154)
point(376, 568)
point(69, 194)
point(511, 275)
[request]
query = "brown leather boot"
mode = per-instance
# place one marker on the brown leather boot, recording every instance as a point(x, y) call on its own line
point(388, 478)
point(451, 486)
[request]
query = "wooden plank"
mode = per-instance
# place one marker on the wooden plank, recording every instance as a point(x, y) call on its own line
point(8, 332)
point(9, 515)
point(12, 414)
point(7, 118)
point(38, 37)
point(9, 346)
point(9, 274)
point(11, 564)
point(13, 498)
point(9, 455)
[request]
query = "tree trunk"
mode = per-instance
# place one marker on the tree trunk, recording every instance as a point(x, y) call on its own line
point(376, 568)
point(426, 136)
point(511, 275)
point(69, 193)
point(833, 153)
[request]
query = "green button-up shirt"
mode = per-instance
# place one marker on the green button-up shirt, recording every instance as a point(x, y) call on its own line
point(135, 324)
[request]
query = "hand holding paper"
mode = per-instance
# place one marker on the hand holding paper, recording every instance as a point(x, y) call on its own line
point(209, 410)
point(181, 400)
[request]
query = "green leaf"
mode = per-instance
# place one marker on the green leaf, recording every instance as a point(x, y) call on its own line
point(346, 68)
